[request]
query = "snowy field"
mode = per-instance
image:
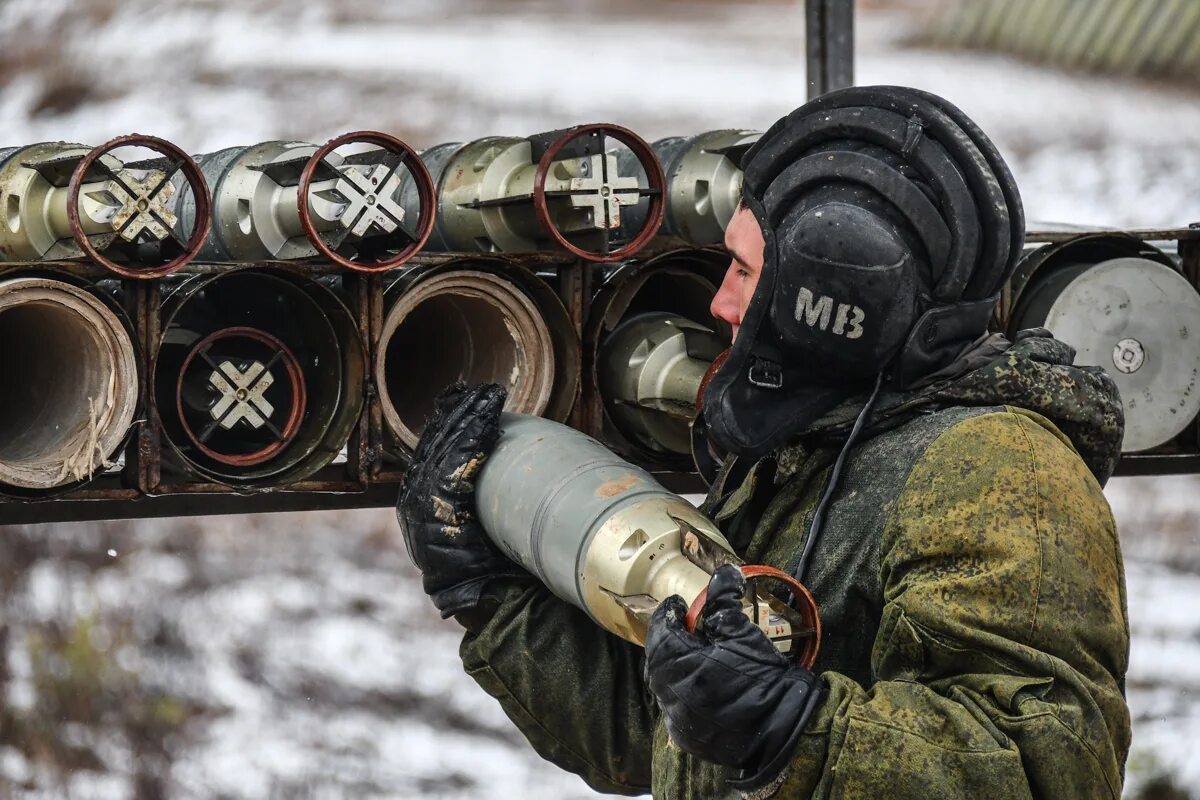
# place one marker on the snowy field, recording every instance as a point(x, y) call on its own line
point(294, 656)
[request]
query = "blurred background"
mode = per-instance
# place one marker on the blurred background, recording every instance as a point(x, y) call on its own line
point(294, 655)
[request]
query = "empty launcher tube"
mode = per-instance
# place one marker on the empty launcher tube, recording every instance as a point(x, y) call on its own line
point(291, 200)
point(70, 388)
point(476, 320)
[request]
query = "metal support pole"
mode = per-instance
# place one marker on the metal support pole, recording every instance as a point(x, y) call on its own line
point(829, 29)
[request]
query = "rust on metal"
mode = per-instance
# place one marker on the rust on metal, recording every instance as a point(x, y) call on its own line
point(655, 192)
point(360, 457)
point(149, 296)
point(285, 434)
point(425, 189)
point(713, 369)
point(299, 488)
point(103, 494)
point(112, 498)
point(574, 290)
point(617, 486)
point(593, 312)
point(181, 161)
point(806, 654)
point(373, 408)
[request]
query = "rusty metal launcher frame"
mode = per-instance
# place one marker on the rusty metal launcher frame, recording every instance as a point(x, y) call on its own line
point(139, 488)
point(595, 298)
point(142, 488)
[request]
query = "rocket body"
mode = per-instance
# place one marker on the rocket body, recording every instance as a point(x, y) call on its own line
point(600, 532)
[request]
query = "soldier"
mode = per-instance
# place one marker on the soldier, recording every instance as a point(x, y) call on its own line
point(937, 488)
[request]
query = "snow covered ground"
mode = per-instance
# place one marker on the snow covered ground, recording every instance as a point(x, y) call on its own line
point(294, 656)
point(306, 656)
point(1159, 522)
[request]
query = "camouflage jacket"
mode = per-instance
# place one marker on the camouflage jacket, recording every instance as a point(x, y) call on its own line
point(971, 590)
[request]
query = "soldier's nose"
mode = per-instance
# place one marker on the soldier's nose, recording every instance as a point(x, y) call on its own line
point(726, 305)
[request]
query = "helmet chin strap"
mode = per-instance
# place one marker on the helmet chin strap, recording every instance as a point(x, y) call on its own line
point(814, 530)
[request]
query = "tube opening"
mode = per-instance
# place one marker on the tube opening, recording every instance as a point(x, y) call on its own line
point(259, 377)
point(464, 326)
point(70, 383)
point(654, 338)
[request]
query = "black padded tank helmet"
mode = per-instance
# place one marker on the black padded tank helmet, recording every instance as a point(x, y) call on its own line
point(891, 223)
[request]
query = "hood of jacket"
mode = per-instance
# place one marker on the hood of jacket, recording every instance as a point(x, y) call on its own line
point(1035, 372)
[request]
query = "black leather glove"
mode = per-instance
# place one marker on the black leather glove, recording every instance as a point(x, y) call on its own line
point(436, 508)
point(727, 694)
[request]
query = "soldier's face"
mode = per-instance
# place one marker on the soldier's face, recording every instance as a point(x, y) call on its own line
point(744, 241)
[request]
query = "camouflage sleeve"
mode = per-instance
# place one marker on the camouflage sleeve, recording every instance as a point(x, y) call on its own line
point(575, 691)
point(1001, 654)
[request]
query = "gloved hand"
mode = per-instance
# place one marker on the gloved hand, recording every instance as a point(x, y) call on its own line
point(436, 508)
point(727, 694)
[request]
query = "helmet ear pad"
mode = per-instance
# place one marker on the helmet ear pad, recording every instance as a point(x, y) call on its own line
point(835, 301)
point(890, 224)
point(758, 399)
point(847, 291)
point(938, 336)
